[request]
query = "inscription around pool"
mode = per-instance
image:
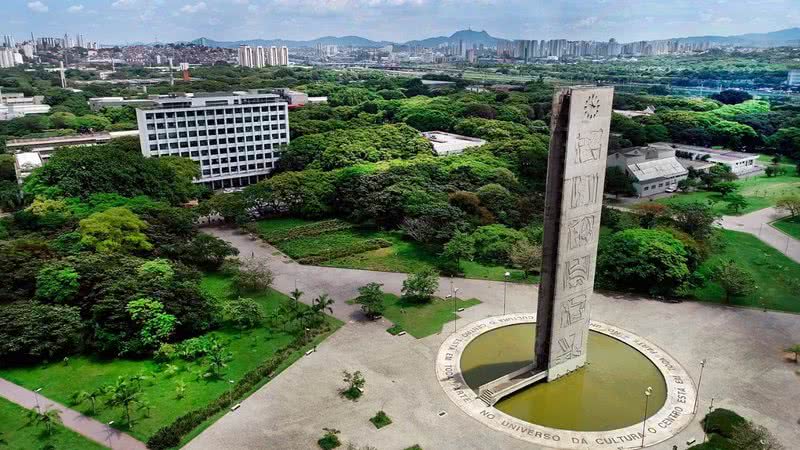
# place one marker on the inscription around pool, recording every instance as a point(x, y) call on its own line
point(674, 416)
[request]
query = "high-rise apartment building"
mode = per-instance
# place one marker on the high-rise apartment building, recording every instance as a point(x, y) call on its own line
point(8, 57)
point(8, 41)
point(258, 57)
point(235, 137)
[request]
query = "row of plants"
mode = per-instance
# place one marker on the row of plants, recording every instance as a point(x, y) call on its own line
point(275, 236)
point(353, 249)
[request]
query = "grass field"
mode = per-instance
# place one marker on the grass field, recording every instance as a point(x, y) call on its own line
point(789, 225)
point(760, 191)
point(402, 256)
point(17, 434)
point(777, 277)
point(421, 320)
point(249, 348)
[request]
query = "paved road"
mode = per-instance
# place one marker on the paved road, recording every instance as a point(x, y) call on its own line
point(743, 373)
point(757, 223)
point(75, 421)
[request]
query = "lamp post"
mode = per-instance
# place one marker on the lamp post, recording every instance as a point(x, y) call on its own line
point(710, 408)
point(36, 397)
point(699, 381)
point(647, 393)
point(455, 312)
point(505, 289)
point(230, 391)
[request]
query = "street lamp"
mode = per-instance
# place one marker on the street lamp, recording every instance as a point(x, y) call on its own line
point(647, 393)
point(36, 397)
point(505, 289)
point(230, 391)
point(710, 408)
point(455, 312)
point(700, 380)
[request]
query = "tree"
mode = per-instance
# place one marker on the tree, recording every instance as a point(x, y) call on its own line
point(725, 187)
point(217, 359)
point(370, 297)
point(354, 385)
point(124, 394)
point(526, 256)
point(48, 418)
point(252, 275)
point(734, 280)
point(459, 247)
point(732, 96)
point(90, 396)
point(650, 213)
point(114, 230)
point(156, 326)
point(243, 313)
point(205, 251)
point(230, 206)
point(57, 283)
point(493, 242)
point(736, 202)
point(322, 303)
point(158, 271)
point(789, 203)
point(694, 218)
point(642, 260)
point(618, 182)
point(421, 285)
point(32, 332)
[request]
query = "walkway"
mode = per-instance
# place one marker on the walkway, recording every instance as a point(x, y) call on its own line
point(757, 223)
point(744, 374)
point(75, 421)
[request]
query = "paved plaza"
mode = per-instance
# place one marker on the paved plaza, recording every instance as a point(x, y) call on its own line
point(745, 371)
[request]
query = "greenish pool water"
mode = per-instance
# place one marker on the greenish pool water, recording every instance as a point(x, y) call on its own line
point(607, 394)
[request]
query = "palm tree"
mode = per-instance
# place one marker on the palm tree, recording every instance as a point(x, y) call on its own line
point(295, 295)
point(46, 418)
point(123, 395)
point(218, 359)
point(322, 303)
point(83, 396)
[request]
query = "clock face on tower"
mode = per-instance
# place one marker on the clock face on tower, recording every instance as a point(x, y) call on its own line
point(591, 107)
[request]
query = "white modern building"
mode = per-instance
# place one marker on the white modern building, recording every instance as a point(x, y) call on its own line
point(740, 163)
point(258, 57)
point(654, 170)
point(9, 57)
point(794, 78)
point(13, 105)
point(235, 137)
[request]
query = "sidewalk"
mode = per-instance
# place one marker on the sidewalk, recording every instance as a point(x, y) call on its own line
point(75, 421)
point(757, 223)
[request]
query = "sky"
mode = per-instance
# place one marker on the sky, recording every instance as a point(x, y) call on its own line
point(125, 21)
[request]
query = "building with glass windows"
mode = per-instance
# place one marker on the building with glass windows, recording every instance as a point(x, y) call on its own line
point(235, 137)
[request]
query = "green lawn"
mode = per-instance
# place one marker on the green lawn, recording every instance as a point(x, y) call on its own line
point(789, 225)
point(402, 256)
point(16, 434)
point(760, 191)
point(249, 348)
point(777, 277)
point(421, 320)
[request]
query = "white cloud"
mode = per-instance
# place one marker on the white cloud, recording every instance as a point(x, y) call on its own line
point(587, 22)
point(123, 4)
point(193, 8)
point(38, 6)
point(75, 8)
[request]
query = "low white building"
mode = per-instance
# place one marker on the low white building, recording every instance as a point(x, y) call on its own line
point(25, 163)
point(13, 105)
point(740, 163)
point(445, 144)
point(654, 170)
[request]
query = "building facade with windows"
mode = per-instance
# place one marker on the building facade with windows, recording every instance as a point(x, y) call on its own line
point(235, 137)
point(258, 57)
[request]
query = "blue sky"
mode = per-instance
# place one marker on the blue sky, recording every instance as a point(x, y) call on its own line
point(120, 21)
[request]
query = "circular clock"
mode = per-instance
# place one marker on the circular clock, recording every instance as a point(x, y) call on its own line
point(591, 107)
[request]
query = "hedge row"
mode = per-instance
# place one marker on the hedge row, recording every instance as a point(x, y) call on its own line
point(329, 254)
point(170, 436)
point(311, 229)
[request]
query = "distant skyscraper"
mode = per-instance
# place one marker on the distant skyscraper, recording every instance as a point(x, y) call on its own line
point(8, 41)
point(8, 57)
point(257, 57)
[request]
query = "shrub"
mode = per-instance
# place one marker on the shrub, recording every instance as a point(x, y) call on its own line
point(493, 242)
point(722, 422)
point(330, 440)
point(243, 313)
point(370, 297)
point(253, 274)
point(355, 385)
point(380, 420)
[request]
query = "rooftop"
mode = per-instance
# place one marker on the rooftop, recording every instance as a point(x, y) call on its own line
point(657, 168)
point(714, 153)
point(451, 144)
point(93, 137)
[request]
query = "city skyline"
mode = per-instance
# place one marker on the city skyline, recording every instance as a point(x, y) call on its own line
point(125, 21)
